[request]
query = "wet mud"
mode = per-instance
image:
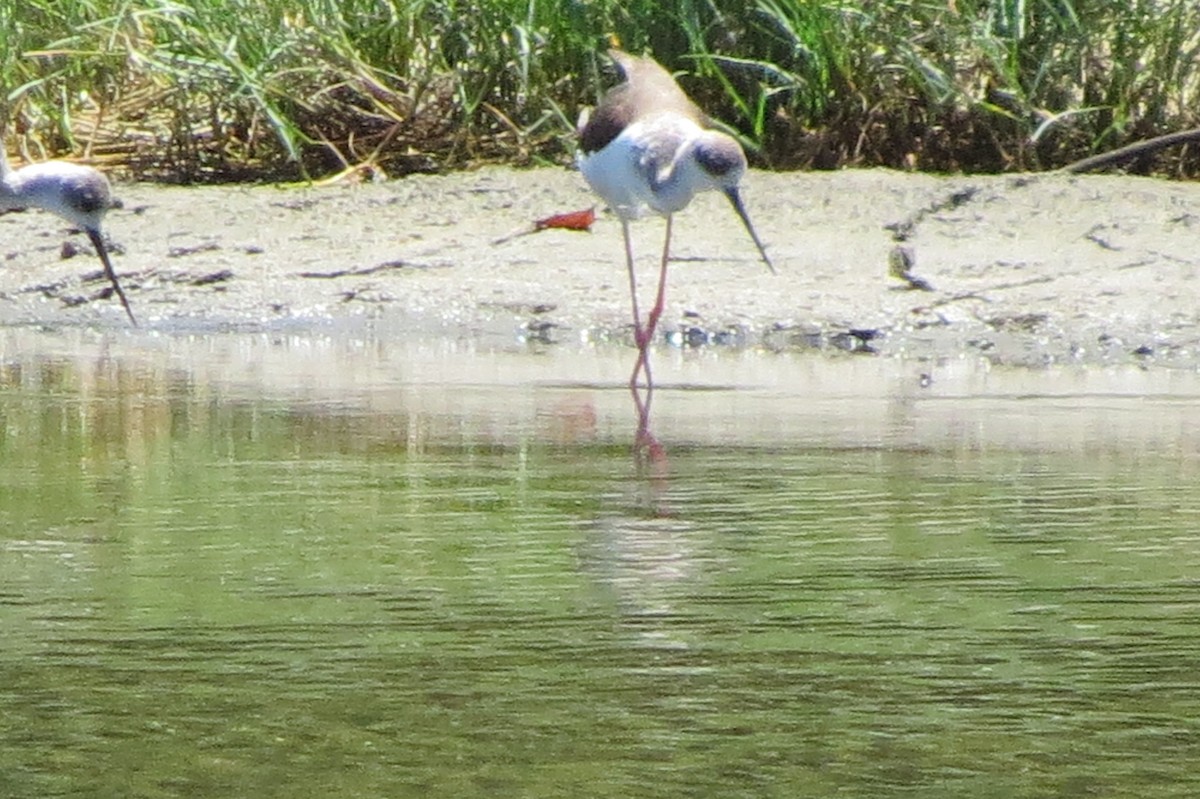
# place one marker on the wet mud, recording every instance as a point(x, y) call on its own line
point(1031, 270)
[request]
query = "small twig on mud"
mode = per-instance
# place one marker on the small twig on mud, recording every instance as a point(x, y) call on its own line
point(978, 295)
point(367, 270)
point(903, 230)
point(966, 295)
point(1102, 243)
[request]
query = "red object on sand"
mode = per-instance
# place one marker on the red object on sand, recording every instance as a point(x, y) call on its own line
point(572, 220)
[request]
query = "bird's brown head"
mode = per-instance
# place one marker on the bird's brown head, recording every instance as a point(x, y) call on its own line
point(87, 194)
point(721, 157)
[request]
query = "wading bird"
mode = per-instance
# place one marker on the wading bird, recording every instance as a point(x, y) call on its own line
point(78, 194)
point(647, 145)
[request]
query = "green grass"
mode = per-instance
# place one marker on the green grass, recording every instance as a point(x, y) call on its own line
point(238, 89)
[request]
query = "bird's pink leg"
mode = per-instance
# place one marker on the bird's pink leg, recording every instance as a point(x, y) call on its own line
point(639, 335)
point(633, 293)
point(652, 323)
point(646, 448)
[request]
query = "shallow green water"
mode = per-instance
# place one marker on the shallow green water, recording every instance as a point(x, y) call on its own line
point(304, 567)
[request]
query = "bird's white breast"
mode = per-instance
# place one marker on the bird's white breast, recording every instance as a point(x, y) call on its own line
point(646, 166)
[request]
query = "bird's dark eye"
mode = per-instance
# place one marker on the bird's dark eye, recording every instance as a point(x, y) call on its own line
point(89, 200)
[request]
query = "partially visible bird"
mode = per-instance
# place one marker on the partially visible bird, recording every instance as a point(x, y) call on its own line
point(647, 145)
point(79, 194)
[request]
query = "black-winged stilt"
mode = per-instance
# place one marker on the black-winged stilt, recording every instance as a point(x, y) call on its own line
point(79, 194)
point(647, 145)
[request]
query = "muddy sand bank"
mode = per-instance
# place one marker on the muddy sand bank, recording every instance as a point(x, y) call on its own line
point(1026, 271)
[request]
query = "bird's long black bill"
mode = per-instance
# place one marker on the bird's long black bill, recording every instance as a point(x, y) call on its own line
point(736, 200)
point(102, 251)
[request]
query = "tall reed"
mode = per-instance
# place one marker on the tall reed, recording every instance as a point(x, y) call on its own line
point(227, 89)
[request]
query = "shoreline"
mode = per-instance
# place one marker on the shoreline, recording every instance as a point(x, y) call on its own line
point(1029, 271)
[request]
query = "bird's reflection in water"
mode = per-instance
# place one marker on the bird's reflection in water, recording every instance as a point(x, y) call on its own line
point(649, 455)
point(648, 147)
